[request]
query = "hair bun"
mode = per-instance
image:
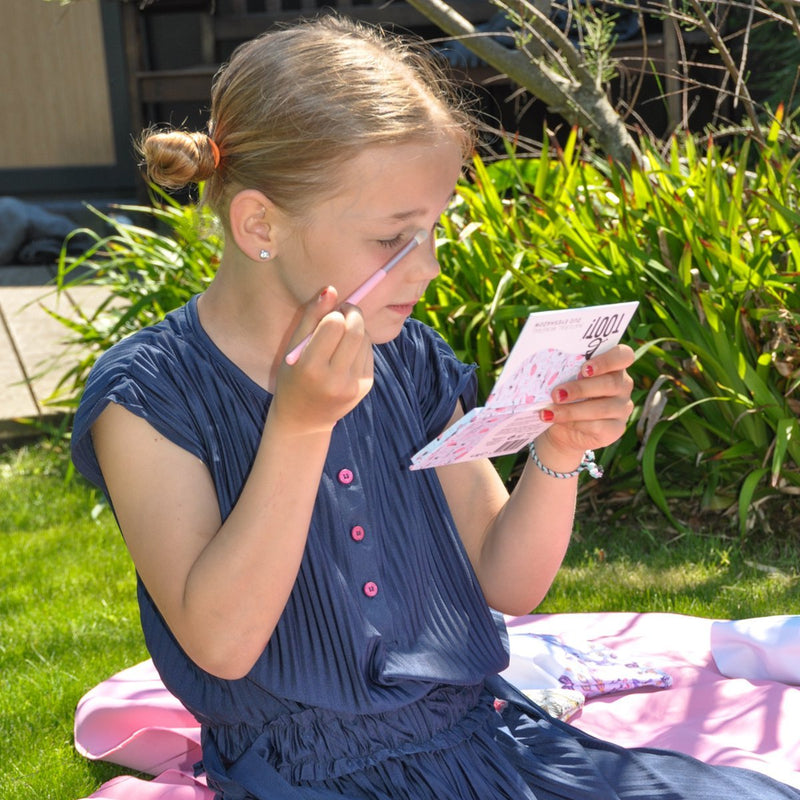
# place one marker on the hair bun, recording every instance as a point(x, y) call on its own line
point(174, 159)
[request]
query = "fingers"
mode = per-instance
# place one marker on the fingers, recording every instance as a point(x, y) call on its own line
point(328, 332)
point(606, 385)
point(592, 415)
point(594, 409)
point(587, 425)
point(343, 337)
point(330, 369)
point(603, 376)
point(314, 312)
point(617, 358)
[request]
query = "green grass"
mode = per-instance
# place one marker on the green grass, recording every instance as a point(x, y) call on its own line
point(68, 616)
point(642, 566)
point(68, 619)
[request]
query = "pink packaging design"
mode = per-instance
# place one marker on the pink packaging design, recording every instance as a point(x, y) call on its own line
point(551, 349)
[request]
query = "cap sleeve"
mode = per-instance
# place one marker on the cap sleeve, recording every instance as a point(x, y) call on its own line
point(139, 378)
point(440, 377)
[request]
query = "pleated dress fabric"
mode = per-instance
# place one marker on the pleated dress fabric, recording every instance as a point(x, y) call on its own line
point(379, 682)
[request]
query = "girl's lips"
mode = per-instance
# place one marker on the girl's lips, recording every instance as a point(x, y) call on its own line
point(404, 308)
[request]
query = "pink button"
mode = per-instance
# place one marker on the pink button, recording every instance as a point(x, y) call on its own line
point(345, 476)
point(370, 589)
point(357, 532)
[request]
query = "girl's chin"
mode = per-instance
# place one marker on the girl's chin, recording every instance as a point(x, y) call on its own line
point(381, 334)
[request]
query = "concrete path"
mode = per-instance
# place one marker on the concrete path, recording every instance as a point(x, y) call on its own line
point(34, 348)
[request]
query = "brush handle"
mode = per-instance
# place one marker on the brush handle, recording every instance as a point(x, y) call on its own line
point(296, 352)
point(365, 288)
point(358, 294)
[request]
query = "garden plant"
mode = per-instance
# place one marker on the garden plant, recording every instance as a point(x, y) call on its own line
point(705, 238)
point(707, 241)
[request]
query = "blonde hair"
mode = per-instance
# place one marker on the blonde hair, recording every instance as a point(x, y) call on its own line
point(293, 104)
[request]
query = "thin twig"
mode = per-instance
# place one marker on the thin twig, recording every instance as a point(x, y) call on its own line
point(713, 34)
point(745, 51)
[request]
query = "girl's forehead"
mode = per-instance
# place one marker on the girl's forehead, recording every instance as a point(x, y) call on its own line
point(397, 182)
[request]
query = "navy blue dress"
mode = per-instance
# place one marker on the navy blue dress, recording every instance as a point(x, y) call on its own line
point(379, 680)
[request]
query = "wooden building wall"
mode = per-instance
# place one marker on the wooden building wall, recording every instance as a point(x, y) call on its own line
point(63, 100)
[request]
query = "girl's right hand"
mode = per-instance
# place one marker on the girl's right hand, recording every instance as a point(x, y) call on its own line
point(334, 372)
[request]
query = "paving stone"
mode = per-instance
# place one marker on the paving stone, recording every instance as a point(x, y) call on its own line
point(16, 400)
point(34, 349)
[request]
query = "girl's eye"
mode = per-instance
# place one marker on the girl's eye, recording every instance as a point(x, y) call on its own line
point(393, 242)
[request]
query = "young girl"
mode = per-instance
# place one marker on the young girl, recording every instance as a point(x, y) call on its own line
point(323, 610)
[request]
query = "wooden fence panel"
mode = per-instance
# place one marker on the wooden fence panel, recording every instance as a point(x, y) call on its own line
point(54, 96)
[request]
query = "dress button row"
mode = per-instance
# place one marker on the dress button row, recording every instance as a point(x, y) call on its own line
point(370, 588)
point(345, 476)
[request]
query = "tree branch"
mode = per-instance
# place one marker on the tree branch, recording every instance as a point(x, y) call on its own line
point(578, 103)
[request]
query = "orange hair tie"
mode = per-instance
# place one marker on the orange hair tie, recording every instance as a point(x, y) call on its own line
point(215, 150)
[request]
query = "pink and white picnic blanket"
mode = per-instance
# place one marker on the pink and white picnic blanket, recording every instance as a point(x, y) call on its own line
point(645, 679)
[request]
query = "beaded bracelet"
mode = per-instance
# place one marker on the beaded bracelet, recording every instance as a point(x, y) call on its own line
point(588, 464)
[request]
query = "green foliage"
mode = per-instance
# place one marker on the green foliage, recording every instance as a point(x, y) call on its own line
point(707, 242)
point(147, 270)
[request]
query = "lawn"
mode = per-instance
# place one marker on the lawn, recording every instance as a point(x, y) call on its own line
point(68, 618)
point(68, 614)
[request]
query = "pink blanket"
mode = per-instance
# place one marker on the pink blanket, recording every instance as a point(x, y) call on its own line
point(132, 720)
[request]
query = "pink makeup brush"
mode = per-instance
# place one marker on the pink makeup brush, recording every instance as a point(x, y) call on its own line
point(419, 237)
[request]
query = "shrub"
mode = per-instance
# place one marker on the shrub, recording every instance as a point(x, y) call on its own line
point(147, 269)
point(707, 242)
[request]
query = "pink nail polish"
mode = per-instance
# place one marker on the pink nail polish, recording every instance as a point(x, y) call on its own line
point(561, 395)
point(588, 370)
point(546, 415)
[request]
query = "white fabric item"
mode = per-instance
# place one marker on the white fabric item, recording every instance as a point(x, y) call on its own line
point(761, 648)
point(534, 663)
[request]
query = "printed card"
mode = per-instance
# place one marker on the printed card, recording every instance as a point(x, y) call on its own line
point(551, 349)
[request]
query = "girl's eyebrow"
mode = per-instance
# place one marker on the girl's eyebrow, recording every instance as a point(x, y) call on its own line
point(402, 216)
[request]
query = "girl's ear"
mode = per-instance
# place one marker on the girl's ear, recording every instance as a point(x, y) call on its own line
point(252, 218)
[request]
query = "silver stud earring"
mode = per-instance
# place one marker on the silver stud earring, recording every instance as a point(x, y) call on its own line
point(264, 255)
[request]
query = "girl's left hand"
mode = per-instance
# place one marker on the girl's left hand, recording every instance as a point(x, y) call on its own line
point(592, 411)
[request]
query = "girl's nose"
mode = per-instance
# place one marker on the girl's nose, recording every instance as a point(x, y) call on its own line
point(426, 267)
